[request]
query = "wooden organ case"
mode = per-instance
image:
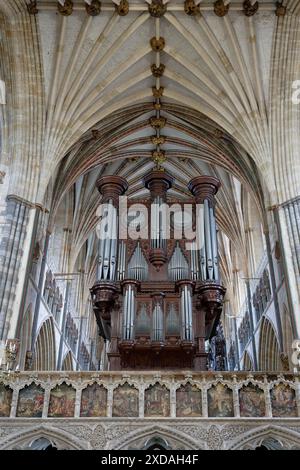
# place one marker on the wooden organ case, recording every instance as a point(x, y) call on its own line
point(157, 299)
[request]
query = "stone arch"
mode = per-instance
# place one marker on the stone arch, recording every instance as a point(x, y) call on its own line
point(26, 337)
point(138, 439)
point(247, 362)
point(269, 351)
point(68, 362)
point(62, 439)
point(44, 351)
point(288, 439)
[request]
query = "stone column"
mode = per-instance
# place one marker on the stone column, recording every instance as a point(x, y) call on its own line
point(15, 241)
point(287, 219)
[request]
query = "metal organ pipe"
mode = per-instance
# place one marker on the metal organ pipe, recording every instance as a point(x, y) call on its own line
point(213, 232)
point(208, 246)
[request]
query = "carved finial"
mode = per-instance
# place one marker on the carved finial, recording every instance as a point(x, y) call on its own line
point(157, 45)
point(157, 71)
point(32, 8)
point(249, 8)
point(220, 8)
point(280, 9)
point(191, 8)
point(157, 92)
point(122, 8)
point(94, 8)
point(66, 9)
point(157, 8)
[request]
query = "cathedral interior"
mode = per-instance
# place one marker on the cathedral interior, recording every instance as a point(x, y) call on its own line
point(149, 224)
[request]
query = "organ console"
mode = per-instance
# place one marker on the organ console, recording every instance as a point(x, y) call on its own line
point(158, 298)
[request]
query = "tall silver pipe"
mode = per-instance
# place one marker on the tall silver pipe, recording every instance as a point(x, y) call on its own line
point(201, 242)
point(213, 232)
point(209, 259)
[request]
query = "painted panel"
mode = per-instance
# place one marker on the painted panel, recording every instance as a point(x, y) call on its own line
point(283, 401)
point(188, 401)
point(5, 400)
point(252, 401)
point(157, 401)
point(62, 402)
point(93, 401)
point(31, 402)
point(220, 401)
point(126, 401)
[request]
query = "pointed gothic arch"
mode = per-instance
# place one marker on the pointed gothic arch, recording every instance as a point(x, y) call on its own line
point(44, 350)
point(247, 362)
point(68, 362)
point(269, 351)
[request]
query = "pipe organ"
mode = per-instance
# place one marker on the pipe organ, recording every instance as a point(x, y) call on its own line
point(157, 299)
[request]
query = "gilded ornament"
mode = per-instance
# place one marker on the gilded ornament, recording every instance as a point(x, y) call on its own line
point(157, 106)
point(122, 8)
point(157, 8)
point(250, 9)
point(191, 8)
point(157, 92)
point(157, 45)
point(157, 140)
point(157, 71)
point(94, 8)
point(158, 157)
point(158, 122)
point(66, 9)
point(220, 8)
point(32, 8)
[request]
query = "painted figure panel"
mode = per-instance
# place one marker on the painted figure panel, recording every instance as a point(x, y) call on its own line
point(5, 400)
point(62, 402)
point(252, 401)
point(283, 401)
point(220, 401)
point(157, 401)
point(93, 401)
point(188, 401)
point(31, 402)
point(126, 401)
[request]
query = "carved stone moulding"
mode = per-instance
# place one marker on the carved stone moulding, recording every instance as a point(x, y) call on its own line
point(104, 295)
point(220, 8)
point(111, 187)
point(157, 45)
point(157, 8)
point(66, 9)
point(122, 8)
point(204, 187)
point(94, 8)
